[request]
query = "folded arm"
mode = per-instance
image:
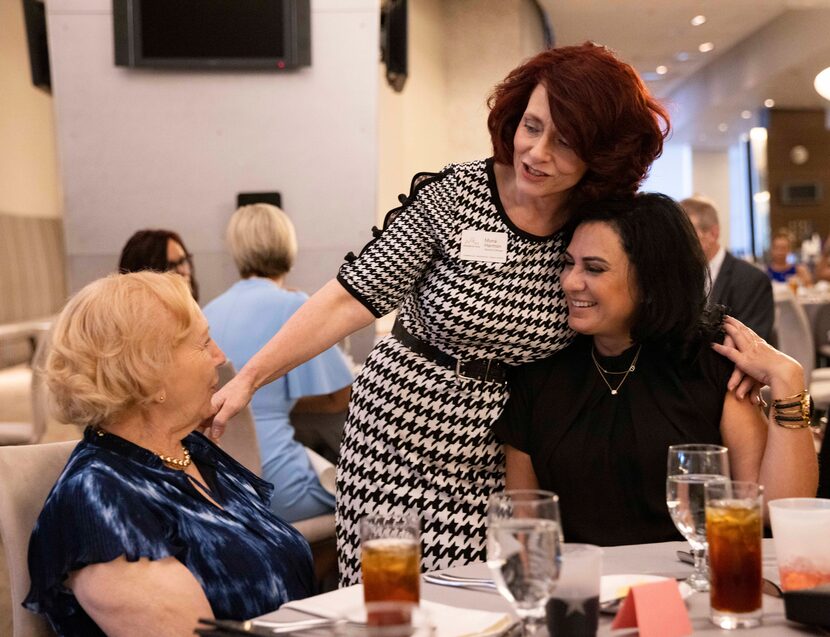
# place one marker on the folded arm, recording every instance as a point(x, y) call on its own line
point(783, 460)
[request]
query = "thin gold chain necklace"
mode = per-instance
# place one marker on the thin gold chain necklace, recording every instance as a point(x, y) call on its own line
point(602, 372)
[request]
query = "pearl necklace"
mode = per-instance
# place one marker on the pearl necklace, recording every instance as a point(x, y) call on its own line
point(175, 463)
point(602, 372)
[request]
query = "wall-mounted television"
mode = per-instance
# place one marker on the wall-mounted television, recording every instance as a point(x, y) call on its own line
point(222, 34)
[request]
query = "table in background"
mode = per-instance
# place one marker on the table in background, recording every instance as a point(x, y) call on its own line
point(657, 559)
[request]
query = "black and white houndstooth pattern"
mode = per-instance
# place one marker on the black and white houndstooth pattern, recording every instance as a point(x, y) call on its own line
point(416, 437)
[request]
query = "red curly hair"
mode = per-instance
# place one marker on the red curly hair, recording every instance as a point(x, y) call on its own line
point(599, 104)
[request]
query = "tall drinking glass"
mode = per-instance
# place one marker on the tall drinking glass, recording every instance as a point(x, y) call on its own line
point(690, 467)
point(390, 549)
point(734, 526)
point(524, 550)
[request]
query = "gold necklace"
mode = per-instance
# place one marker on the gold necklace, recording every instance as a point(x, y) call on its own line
point(602, 372)
point(184, 463)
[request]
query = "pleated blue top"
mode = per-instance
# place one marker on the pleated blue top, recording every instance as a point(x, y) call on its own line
point(115, 498)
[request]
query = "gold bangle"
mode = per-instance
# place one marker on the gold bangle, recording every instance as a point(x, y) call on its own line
point(792, 412)
point(794, 399)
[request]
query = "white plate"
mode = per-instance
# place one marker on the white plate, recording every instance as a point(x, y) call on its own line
point(614, 586)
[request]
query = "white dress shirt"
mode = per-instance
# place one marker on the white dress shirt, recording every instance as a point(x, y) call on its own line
point(714, 266)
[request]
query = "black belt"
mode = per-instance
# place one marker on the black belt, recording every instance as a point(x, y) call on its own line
point(483, 369)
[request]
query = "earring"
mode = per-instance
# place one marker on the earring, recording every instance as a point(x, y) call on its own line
point(162, 397)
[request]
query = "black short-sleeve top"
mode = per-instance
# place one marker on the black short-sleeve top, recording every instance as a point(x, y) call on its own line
point(604, 455)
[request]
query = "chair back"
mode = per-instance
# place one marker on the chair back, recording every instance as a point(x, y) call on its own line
point(793, 332)
point(27, 474)
point(240, 440)
point(39, 388)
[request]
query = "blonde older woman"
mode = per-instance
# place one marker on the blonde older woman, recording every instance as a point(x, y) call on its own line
point(262, 240)
point(151, 526)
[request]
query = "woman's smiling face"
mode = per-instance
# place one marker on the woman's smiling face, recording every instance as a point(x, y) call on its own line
point(600, 287)
point(545, 163)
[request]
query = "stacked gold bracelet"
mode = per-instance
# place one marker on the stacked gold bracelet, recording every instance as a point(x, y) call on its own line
point(792, 412)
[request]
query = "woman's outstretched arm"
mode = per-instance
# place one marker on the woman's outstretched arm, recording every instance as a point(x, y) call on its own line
point(327, 317)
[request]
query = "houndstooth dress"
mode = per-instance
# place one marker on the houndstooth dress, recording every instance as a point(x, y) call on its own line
point(417, 437)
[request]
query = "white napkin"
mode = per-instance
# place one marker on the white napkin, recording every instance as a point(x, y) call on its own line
point(323, 468)
point(449, 621)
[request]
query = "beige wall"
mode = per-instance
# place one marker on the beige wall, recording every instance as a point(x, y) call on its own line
point(458, 51)
point(710, 178)
point(29, 182)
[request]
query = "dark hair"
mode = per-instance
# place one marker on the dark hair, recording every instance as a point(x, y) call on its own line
point(147, 250)
point(668, 264)
point(601, 107)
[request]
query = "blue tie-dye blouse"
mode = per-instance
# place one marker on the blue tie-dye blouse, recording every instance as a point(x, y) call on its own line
point(115, 498)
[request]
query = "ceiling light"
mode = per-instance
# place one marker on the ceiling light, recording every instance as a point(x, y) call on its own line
point(682, 56)
point(705, 47)
point(698, 20)
point(722, 127)
point(761, 197)
point(822, 83)
point(661, 70)
point(769, 103)
point(746, 114)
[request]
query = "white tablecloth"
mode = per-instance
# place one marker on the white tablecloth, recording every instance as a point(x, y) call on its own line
point(657, 559)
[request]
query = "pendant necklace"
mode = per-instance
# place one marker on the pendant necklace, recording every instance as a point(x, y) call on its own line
point(602, 372)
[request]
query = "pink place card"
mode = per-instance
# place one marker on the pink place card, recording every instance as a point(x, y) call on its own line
point(656, 609)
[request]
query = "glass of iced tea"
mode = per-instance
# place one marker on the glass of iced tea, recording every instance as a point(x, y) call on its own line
point(800, 529)
point(391, 557)
point(734, 527)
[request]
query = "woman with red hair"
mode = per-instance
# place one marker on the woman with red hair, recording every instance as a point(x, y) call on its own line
point(471, 262)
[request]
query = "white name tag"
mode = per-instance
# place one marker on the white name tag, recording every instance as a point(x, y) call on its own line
point(480, 245)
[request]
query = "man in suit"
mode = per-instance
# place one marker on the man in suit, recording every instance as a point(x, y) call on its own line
point(738, 285)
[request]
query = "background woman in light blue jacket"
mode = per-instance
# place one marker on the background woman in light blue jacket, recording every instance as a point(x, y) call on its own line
point(242, 320)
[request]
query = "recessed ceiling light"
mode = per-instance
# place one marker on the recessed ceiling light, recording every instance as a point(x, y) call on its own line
point(698, 20)
point(746, 114)
point(769, 103)
point(682, 56)
point(661, 70)
point(705, 47)
point(722, 127)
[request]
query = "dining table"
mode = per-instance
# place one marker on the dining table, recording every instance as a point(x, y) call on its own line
point(640, 559)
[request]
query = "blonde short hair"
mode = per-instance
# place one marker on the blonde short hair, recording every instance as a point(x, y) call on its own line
point(262, 241)
point(112, 343)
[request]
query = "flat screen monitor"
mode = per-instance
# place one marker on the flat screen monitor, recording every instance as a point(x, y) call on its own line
point(229, 34)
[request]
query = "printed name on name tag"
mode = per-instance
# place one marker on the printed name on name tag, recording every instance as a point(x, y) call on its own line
point(480, 245)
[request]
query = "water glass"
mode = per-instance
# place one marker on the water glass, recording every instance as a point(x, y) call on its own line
point(390, 546)
point(523, 550)
point(734, 527)
point(573, 609)
point(801, 532)
point(690, 467)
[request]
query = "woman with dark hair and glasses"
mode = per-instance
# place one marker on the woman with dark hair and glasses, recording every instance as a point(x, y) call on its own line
point(160, 251)
point(594, 422)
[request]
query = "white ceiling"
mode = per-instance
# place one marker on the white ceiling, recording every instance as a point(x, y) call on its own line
point(762, 49)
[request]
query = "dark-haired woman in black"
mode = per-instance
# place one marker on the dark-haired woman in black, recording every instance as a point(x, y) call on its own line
point(593, 423)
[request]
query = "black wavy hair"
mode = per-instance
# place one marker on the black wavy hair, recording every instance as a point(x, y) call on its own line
point(669, 267)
